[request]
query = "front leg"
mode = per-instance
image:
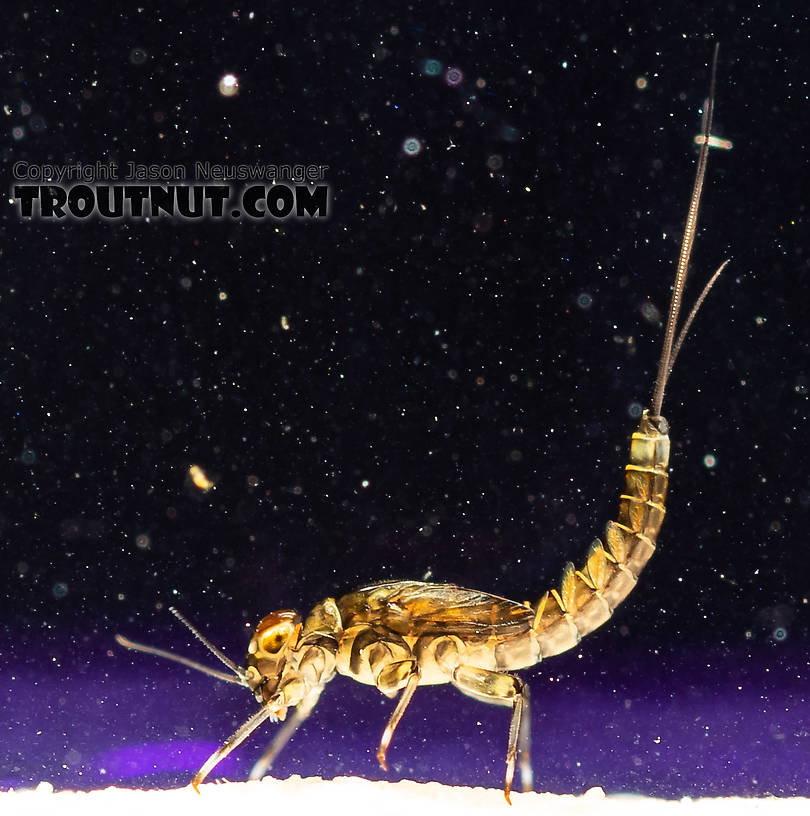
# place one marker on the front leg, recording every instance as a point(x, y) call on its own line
point(503, 689)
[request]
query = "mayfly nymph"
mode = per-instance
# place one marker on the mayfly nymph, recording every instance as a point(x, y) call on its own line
point(398, 635)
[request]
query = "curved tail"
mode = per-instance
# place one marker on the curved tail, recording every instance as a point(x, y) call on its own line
point(588, 596)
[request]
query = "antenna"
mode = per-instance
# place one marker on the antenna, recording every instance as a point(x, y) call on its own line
point(240, 679)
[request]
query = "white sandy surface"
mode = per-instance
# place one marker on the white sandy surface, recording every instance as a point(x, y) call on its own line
point(346, 795)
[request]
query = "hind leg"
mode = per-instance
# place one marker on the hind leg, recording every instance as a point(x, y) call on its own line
point(503, 689)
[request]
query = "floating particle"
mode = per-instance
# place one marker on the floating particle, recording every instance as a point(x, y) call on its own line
point(480, 83)
point(780, 634)
point(223, 296)
point(715, 141)
point(454, 77)
point(28, 456)
point(138, 56)
point(431, 67)
point(641, 83)
point(200, 479)
point(509, 133)
point(143, 541)
point(17, 133)
point(59, 590)
point(495, 162)
point(483, 222)
point(584, 300)
point(228, 85)
point(37, 124)
point(649, 311)
point(285, 322)
point(365, 483)
point(412, 146)
point(709, 461)
point(25, 108)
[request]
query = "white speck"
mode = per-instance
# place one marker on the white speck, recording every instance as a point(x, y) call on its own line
point(228, 85)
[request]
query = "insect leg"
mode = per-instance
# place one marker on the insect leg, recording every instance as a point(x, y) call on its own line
point(525, 745)
point(302, 711)
point(232, 742)
point(500, 689)
point(393, 721)
point(385, 658)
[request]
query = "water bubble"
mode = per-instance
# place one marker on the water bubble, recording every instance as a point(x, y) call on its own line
point(584, 300)
point(138, 56)
point(28, 456)
point(37, 124)
point(509, 133)
point(495, 162)
point(412, 146)
point(635, 410)
point(779, 634)
point(709, 461)
point(17, 133)
point(454, 77)
point(431, 67)
point(60, 589)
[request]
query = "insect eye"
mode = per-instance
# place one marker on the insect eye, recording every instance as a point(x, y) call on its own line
point(275, 630)
point(273, 639)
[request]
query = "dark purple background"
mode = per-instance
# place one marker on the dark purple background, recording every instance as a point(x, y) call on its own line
point(440, 350)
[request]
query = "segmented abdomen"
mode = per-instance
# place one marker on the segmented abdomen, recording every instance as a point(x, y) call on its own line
point(588, 596)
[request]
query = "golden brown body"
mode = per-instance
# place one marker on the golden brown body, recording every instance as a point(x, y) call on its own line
point(399, 635)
